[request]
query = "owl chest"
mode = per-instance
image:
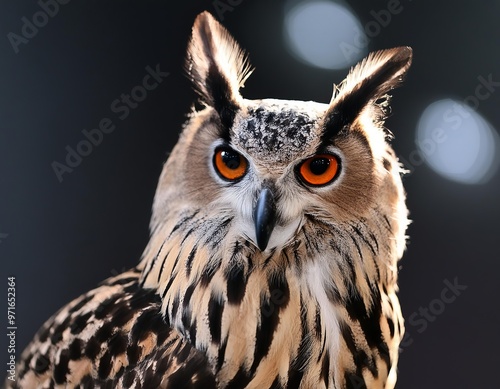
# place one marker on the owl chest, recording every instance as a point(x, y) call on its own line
point(302, 338)
point(285, 347)
point(293, 327)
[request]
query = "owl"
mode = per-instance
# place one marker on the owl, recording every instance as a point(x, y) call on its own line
point(276, 231)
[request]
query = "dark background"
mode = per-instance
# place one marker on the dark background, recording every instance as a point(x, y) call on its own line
point(61, 239)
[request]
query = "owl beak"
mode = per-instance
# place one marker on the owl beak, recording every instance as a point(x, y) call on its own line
point(264, 216)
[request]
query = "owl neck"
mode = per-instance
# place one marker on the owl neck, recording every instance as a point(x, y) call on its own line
point(298, 305)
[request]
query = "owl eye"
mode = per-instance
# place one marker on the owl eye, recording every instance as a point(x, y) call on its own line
point(229, 164)
point(319, 170)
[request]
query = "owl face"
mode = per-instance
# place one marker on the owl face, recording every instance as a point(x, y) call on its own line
point(268, 164)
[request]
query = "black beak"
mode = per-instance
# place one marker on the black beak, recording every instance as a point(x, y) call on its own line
point(264, 216)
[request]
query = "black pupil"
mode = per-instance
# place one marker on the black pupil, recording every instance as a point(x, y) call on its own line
point(231, 159)
point(319, 166)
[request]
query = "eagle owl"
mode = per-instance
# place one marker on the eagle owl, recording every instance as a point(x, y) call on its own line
point(275, 234)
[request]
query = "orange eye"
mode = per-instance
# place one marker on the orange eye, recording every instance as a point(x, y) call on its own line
point(229, 164)
point(319, 170)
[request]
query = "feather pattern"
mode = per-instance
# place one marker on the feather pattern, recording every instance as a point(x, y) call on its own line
point(210, 305)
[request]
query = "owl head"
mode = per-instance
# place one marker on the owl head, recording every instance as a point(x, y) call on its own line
point(267, 165)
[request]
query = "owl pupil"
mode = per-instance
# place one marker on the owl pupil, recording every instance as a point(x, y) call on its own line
point(231, 160)
point(319, 166)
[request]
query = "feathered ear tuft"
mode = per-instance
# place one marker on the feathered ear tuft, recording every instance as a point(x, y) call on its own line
point(369, 81)
point(216, 64)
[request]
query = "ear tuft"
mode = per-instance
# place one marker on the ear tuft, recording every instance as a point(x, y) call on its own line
point(377, 74)
point(369, 81)
point(216, 64)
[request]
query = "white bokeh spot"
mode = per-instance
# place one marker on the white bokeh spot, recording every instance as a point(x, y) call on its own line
point(320, 33)
point(457, 142)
